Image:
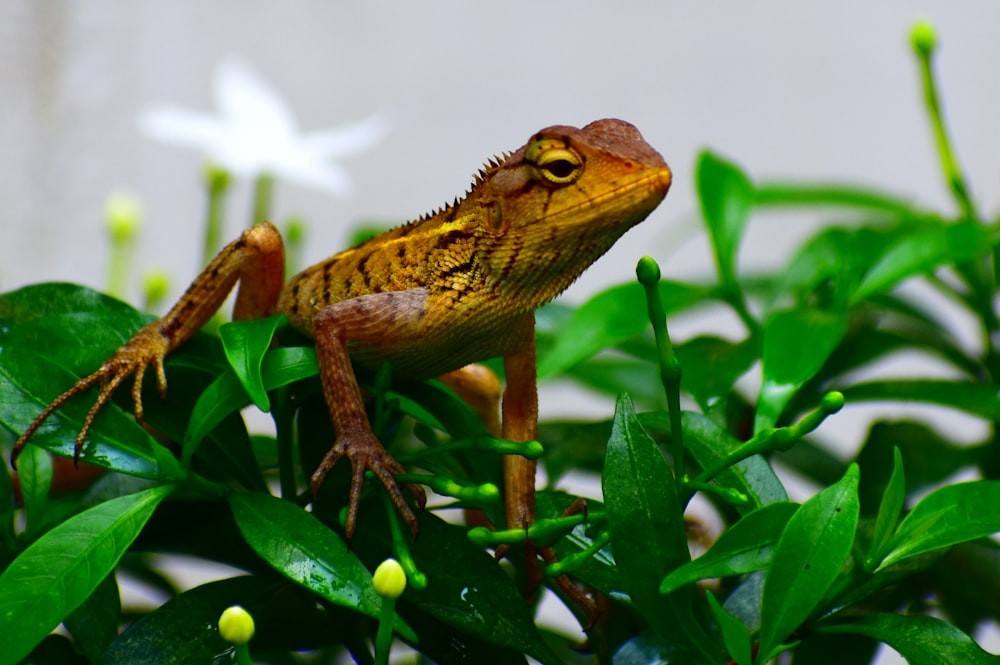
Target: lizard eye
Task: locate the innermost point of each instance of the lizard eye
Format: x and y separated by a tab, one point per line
559	165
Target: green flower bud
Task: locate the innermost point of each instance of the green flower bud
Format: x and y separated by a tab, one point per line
648	271
389	579
923	37
236	625
155	285
122	216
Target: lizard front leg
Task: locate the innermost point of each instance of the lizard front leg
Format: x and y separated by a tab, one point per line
520	423
255	259
366	321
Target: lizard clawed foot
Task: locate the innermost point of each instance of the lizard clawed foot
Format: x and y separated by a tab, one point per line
365	452
147	347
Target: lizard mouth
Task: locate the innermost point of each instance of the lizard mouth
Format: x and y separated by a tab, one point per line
636	196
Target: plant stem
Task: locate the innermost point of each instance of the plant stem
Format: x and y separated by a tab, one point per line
217	181
924	48
648	273
263	191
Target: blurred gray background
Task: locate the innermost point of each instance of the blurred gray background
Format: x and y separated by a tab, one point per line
791	90
787	89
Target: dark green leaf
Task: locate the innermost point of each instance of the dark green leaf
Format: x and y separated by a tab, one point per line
807	559
61	569
726	197
305	551
467	590
796	344
38	300
183	630
610	317
245	343
921	640
743	548
94	625
227	395
945	517
648	537
28	382
712	365
708	442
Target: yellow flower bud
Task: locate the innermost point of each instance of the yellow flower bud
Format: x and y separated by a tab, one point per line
390	580
236	625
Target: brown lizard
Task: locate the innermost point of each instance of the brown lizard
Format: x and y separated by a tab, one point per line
432	296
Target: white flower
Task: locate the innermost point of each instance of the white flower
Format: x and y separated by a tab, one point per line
255	132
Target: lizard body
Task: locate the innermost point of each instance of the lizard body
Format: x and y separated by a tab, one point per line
451	288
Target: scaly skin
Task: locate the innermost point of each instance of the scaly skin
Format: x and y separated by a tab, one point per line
452	288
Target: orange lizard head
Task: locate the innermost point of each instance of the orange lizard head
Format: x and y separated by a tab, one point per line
554	206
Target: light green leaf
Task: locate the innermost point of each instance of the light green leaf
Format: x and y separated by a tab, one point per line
61	569
726	196
924	250
743	548
946	517
245	343
796	344
611	317
921	640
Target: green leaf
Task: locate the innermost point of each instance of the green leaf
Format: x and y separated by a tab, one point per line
796	344
807	559
744	547
848	196
979	399
734	633
39	300
648	538
708	442
227	395
61	569
182	630
301	548
610	317
726	197
946	517
827	269
924	250
928	459
245	343
921	640
466	588
888	512
29	382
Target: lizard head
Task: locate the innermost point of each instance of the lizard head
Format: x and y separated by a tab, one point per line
552	207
